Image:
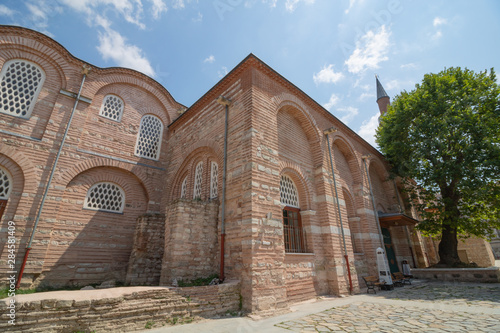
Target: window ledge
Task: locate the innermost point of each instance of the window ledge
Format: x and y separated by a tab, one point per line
299	254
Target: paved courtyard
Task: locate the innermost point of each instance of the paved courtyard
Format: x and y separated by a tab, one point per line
420	307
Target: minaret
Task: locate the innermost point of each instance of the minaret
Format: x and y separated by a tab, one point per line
383	99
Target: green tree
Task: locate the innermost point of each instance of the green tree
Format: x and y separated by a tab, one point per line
443	140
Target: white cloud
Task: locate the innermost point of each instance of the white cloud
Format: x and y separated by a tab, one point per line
364	96
179	4
114	46
327	75
210	59
436	23
290	5
158	8
371	49
368	128
333	100
351	4
350	111
40	13
393	84
198	17
223	72
130	10
410	65
439	21
6	11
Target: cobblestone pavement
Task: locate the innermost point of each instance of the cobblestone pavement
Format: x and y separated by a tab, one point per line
430	307
421	307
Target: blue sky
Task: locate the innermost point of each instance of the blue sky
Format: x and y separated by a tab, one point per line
329	49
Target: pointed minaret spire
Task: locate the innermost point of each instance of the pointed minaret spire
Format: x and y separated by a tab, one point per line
383	99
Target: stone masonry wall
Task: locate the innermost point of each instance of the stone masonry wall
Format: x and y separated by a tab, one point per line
144	267
134	308
191	243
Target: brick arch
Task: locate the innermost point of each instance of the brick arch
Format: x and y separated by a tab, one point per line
205	143
162	112
298	110
37	56
83	166
349	153
18	180
110	76
187	168
120	181
59	54
348	197
376	168
13	157
304	187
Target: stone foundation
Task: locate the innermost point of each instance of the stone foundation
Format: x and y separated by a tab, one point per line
491	274
129	309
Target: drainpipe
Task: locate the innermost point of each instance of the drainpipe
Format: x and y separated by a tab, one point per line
85	72
226	102
326	132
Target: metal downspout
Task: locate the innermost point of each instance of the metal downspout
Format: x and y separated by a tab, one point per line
226	102
85	71
326	132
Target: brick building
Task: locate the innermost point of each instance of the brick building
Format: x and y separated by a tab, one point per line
137	190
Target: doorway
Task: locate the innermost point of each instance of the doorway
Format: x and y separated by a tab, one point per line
389	250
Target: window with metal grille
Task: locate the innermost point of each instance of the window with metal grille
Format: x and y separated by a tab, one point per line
112	107
5	184
149	138
20	84
106	197
288	192
213	180
184	188
198	177
293	233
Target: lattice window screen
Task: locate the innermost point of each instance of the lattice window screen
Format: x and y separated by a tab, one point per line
198	177
149	138
5	184
288	192
184	188
112	107
214	173
20	84
106	197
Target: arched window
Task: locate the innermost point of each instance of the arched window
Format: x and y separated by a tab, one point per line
214	172
184	188
293	232
149	138
288	192
112	107
106	197
198	177
5	184
20	84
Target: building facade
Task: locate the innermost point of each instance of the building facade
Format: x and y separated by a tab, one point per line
137	190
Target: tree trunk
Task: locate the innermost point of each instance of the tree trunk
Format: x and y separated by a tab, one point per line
448	252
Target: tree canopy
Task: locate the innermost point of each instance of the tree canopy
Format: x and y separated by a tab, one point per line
443	140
